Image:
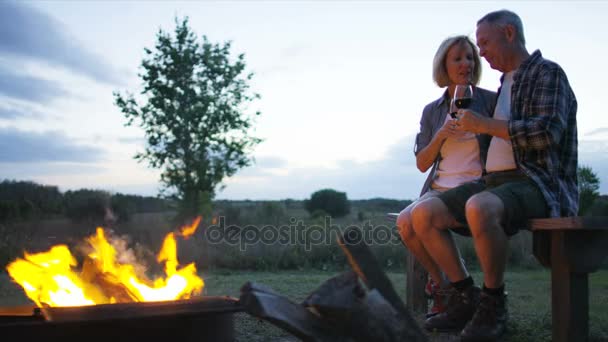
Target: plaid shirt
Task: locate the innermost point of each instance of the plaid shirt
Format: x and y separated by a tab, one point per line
543	132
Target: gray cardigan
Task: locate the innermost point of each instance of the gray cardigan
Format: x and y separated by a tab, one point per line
433	117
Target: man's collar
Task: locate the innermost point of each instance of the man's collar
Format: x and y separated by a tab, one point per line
532	59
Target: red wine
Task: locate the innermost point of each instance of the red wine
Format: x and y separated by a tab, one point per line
463	102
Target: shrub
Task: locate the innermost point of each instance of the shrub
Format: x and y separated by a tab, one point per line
331	201
270	213
588	185
23	200
599	207
9	211
87	205
123	207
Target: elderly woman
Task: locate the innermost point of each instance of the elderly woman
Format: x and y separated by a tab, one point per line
454	157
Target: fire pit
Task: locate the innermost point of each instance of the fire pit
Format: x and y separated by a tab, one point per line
199	319
110	297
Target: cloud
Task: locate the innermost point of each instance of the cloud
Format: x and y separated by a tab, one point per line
270	162
132	140
30	33
26	171
281	62
12	112
28	88
598	131
394	176
18	146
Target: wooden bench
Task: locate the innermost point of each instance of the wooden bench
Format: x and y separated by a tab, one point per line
572	247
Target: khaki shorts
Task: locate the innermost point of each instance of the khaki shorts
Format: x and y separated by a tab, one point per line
520	195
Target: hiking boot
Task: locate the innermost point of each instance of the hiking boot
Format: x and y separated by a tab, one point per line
440	300
489	321
461	307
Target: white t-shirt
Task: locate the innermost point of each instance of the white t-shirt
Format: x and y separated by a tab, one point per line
460	163
500	152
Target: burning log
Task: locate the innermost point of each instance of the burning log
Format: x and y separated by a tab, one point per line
101	282
52	278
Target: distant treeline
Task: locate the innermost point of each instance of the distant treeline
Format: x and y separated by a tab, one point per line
24	200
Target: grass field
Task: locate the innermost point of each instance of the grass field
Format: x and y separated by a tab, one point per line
294	272
529	300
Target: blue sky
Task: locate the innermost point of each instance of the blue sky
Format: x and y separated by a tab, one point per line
343	85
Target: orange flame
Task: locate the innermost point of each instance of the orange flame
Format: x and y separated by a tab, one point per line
188	230
49	278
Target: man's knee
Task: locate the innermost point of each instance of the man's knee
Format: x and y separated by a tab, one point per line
483	210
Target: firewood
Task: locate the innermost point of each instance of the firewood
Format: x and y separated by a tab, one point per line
105	287
375	319
263	302
336	299
343	309
358	314
363	262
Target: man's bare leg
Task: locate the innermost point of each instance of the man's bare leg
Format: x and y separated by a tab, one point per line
484	212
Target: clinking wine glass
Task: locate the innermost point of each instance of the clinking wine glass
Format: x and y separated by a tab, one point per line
453	109
463	96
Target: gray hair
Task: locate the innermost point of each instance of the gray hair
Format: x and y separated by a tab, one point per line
440	72
503	18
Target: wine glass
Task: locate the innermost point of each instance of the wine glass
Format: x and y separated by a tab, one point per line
463	96
453	109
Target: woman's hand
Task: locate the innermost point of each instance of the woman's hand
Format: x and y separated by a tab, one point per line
449	130
427	156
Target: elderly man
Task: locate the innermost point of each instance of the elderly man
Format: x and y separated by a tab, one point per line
531	173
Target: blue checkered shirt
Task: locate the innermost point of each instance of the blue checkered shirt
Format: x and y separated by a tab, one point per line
543	132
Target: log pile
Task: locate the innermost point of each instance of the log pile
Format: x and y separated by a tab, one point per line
359	305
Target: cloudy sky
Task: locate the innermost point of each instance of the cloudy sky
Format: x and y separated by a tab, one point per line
343	85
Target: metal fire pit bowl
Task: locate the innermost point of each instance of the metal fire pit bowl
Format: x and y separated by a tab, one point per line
200	319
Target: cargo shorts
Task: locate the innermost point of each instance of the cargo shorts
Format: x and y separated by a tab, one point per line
521	197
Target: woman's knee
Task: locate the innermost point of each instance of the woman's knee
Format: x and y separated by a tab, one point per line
404	224
421	217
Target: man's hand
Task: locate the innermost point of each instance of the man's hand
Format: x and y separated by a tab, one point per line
470	121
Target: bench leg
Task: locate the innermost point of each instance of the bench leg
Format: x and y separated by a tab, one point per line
416	280
569	295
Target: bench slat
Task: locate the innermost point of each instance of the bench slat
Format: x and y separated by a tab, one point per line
569	223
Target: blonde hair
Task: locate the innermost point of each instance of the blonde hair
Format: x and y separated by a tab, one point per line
440	72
